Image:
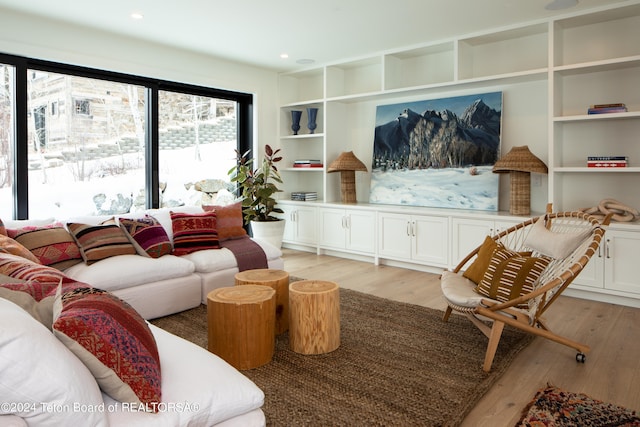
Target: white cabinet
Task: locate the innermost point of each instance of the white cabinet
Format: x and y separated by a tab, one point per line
414	238
613	268
468	233
301	224
347	229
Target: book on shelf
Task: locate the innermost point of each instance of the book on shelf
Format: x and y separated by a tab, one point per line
607	161
308	165
307	161
607	108
304	196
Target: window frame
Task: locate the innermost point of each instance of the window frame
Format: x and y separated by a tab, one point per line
20	191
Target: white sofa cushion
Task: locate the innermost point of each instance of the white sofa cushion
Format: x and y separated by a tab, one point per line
198	389
125	271
221	259
41	377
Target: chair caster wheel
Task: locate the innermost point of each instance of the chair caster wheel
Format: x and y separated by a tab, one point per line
581	357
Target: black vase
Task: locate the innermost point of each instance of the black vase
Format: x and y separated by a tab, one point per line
295	121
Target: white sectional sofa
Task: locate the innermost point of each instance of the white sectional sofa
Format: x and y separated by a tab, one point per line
157	287
44	379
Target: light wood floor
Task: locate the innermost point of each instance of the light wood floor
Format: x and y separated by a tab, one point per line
611	372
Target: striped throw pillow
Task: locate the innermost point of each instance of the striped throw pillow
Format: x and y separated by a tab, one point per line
510	275
194	232
101	241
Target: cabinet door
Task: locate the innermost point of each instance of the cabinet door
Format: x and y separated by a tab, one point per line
467	235
430	240
361	231
332	228
305	225
394	236
621	256
289	225
592	275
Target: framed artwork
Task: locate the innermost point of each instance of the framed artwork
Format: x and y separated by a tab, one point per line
438	152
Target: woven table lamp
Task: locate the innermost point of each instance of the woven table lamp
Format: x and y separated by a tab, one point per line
520	162
347	164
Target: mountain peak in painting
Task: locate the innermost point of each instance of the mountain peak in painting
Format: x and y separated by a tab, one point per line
438	139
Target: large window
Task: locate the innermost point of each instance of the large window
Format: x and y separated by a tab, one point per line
6	139
77	141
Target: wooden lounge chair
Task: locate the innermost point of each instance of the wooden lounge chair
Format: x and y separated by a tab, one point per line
490	301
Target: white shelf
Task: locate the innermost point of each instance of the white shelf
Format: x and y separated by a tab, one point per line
608	116
584	169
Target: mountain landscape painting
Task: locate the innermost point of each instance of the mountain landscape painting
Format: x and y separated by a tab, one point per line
438	153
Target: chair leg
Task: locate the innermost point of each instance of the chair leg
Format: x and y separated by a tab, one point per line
494	339
447	313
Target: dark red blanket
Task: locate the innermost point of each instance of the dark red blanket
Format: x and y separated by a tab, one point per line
248	253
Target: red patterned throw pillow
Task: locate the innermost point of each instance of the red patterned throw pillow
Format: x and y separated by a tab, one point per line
148	234
113	341
23	269
229	220
51	244
194	232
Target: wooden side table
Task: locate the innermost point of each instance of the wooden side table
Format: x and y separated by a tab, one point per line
241	321
278	280
314	316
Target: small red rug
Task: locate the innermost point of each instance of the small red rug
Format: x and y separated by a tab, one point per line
553	407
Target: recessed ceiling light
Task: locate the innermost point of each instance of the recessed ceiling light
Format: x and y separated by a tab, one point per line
284	55
137	15
561	4
305	61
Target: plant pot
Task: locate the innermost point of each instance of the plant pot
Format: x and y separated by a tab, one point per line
269	231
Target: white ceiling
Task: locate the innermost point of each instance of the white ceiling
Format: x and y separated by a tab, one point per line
258	31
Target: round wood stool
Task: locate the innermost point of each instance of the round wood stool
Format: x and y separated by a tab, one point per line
241	321
278	280
314	316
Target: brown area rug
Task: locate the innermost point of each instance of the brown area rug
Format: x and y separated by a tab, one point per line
397	364
559	408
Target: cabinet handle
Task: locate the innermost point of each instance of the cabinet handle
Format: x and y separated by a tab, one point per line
608	249
408	228
413	229
347	221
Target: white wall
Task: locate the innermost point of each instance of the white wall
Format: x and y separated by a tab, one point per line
35	37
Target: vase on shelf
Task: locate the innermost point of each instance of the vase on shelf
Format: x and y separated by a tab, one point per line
295	121
312	113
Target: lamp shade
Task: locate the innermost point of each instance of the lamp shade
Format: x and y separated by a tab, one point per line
520	159
347	161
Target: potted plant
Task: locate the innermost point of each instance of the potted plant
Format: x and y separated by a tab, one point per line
257	187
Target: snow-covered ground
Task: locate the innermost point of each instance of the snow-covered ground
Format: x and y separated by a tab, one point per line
445	188
54	193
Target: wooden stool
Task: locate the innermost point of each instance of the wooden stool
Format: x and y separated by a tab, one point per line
314	316
241	321
279	281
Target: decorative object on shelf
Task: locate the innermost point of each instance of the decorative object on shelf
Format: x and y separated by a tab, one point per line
438	152
607	161
520	162
295	121
347	164
312	115
607	108
256	190
620	212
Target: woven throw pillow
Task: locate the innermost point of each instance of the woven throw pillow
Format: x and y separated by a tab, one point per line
510	275
22	269
476	270
51	244
10	246
148	234
113	341
229	221
194	232
555	245
101	241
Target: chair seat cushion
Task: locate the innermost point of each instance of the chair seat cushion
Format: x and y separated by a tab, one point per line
459	290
